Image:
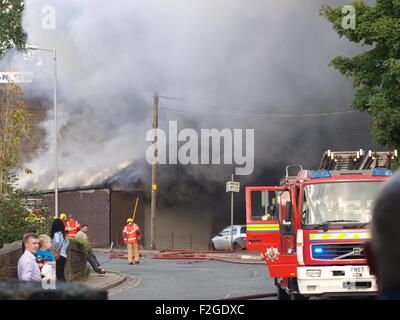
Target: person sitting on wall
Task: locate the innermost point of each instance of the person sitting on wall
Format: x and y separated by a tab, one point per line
82	234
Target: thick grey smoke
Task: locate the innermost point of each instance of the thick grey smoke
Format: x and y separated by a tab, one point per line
256	57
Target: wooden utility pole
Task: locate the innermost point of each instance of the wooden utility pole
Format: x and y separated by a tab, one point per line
233	179
154	173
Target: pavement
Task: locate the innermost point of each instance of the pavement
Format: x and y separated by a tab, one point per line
105	281
113	279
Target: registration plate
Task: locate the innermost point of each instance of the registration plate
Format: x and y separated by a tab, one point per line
357	272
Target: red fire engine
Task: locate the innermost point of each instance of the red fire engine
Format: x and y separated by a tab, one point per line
311	229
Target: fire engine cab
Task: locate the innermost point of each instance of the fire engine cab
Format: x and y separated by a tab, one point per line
311	229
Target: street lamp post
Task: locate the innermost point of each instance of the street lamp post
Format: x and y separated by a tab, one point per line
31	47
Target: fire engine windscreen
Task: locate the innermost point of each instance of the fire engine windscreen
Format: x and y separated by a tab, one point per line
338	202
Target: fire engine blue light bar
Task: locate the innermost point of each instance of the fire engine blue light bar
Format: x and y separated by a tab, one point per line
317	174
382	172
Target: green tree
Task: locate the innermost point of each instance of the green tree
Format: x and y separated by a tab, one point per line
15	212
11	32
376	71
18	212
14	128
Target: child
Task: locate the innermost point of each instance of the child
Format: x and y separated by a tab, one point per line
45	258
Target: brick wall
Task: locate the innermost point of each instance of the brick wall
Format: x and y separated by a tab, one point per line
91	207
75	267
9	256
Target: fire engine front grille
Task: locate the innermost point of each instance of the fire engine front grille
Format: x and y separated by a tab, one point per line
338	251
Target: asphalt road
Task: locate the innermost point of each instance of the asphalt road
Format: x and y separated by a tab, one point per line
154	279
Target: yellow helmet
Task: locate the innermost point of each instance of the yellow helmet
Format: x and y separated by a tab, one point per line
129	220
63	216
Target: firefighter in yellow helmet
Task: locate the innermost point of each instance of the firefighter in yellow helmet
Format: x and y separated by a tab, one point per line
131	235
72	227
63	217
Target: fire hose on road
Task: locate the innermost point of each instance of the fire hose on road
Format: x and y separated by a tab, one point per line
185	254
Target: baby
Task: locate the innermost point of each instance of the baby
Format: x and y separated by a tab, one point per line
45	258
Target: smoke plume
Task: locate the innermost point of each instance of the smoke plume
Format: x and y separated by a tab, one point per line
259	58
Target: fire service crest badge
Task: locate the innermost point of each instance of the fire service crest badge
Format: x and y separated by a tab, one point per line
272	254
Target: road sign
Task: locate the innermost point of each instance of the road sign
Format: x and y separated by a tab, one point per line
16	77
232	186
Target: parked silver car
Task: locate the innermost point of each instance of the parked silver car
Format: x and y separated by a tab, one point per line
222	241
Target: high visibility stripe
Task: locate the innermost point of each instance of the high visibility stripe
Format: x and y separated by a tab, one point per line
265	230
339	236
263	224
133	230
262	227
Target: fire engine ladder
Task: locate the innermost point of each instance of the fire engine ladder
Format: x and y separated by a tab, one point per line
380	159
342	160
357	160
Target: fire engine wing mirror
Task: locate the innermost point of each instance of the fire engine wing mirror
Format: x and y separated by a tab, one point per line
288	213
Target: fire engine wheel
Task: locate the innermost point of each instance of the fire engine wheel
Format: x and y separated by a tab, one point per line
281	293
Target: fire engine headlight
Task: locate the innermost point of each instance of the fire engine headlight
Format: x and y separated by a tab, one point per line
313	273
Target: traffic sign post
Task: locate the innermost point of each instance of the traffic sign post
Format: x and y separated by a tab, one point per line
232	186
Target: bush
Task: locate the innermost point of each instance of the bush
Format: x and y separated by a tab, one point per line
12	219
15	218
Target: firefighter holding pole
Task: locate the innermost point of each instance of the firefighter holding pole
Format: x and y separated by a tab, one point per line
132	235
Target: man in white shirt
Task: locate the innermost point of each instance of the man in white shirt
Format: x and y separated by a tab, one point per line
82	234
28	268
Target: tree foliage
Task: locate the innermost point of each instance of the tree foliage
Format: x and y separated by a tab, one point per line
16	213
376	71
11	32
14	128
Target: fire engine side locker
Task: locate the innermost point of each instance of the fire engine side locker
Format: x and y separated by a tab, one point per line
264	236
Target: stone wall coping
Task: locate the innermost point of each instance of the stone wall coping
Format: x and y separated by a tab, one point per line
9	247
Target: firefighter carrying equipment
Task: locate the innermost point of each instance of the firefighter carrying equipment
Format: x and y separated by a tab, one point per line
72	227
131	233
